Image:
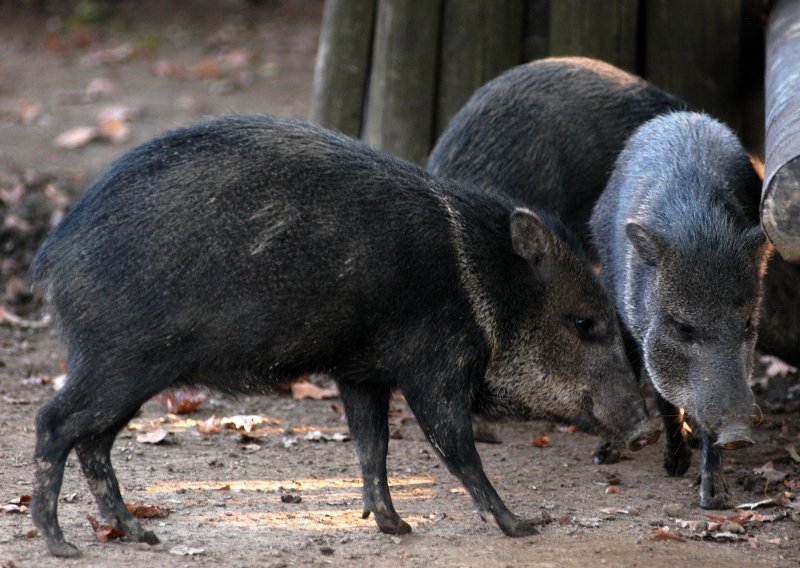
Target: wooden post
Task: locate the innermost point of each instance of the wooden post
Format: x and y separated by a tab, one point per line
340	75
605	29
692	50
780	204
480	40
400	103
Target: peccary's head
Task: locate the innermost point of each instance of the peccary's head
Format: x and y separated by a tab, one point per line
696	299
564	358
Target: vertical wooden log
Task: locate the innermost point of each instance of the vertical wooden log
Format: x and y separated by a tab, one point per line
692	50
780	204
751	75
536	35
480	39
340	75
605	29
402	85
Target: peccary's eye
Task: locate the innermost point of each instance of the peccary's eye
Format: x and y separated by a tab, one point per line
748	327
685	332
584	327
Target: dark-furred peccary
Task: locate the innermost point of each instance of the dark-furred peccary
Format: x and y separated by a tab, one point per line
547	133
685	265
247	250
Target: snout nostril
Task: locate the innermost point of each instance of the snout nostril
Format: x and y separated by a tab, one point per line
645	440
735	444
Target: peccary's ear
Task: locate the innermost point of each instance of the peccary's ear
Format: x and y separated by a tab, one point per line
529	235
647	243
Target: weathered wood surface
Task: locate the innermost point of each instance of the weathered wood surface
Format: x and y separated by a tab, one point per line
604	29
780	205
479	40
343	56
692	50
402	85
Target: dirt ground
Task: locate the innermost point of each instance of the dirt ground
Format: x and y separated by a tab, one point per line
284	494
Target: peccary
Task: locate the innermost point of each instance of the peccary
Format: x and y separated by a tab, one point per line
247	250
685	267
548	133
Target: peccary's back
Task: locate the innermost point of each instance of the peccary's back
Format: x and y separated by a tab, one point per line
249	230
548	132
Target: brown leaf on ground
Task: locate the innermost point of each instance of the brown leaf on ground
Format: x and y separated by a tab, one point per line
104	533
663	533
303	390
76	137
154	437
768	472
144	511
30	111
776	367
337	409
167	69
208	426
181	400
541	441
242	422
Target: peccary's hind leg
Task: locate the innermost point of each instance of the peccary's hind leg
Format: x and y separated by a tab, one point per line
86	413
445	419
95	456
53	445
367	411
713	490
677	453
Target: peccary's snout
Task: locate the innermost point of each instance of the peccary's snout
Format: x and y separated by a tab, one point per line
645	434
734	436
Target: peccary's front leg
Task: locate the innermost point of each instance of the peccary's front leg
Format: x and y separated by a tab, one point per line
677	454
713	489
367	411
445	419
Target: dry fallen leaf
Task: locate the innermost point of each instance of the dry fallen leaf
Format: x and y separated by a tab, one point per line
115	130
76	137
101	87
242	422
541	441
104	533
208	426
30	111
181	400
663	533
154	437
145	511
768	472
303	390
776	367
792	451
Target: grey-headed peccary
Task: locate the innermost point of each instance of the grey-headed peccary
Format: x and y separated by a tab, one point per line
685	265
246	250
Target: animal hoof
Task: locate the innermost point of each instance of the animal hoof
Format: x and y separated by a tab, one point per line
677	462
63	549
524	527
394	526
149	537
